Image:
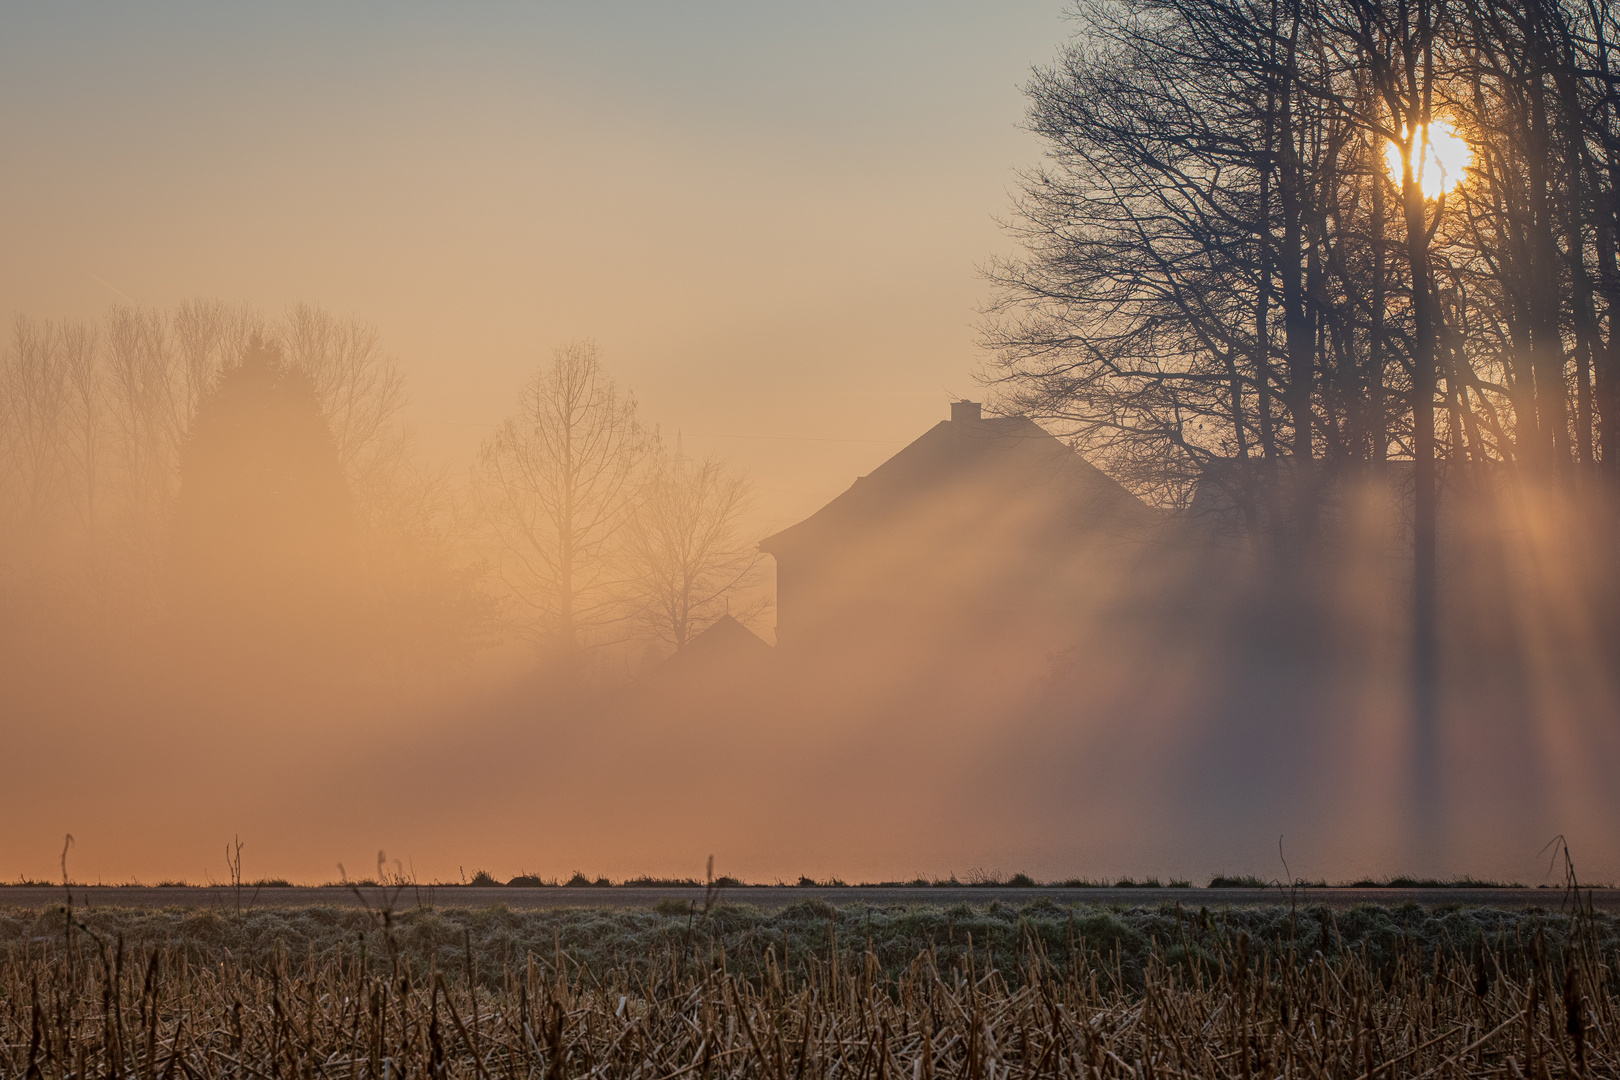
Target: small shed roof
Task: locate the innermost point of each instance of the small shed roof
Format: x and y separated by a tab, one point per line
724	643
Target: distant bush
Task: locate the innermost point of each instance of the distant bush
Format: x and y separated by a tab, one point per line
530	881
579	880
1236	881
1401	881
1021	881
1123	883
483	878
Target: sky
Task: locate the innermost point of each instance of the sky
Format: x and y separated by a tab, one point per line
771	216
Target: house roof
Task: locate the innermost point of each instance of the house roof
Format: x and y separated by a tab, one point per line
726	641
977	467
726	634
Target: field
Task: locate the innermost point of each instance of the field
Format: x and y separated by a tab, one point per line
808	991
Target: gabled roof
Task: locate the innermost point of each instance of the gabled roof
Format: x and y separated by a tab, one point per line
725	642
727	635
978	466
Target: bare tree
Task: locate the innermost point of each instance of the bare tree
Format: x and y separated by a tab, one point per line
157	366
147	420
688	555
1186	240
557	483
208	336
34	406
85	436
1242	277
95	419
360	386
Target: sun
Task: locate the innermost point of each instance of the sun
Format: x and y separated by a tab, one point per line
1444	156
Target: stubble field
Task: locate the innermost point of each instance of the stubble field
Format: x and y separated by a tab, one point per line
812	990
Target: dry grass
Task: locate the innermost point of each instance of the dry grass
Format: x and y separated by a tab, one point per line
1250	993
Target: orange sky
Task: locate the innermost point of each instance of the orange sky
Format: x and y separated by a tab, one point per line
770	215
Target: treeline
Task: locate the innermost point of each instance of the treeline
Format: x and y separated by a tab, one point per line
157	474
1278	241
1320	269
244	489
1343	278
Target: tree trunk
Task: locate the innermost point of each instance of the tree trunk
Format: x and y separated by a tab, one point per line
1425	494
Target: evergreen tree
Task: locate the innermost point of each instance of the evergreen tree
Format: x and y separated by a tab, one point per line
261	547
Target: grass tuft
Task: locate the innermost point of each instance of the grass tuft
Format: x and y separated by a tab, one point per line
1235	881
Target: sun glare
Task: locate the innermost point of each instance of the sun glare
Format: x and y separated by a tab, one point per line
1441	159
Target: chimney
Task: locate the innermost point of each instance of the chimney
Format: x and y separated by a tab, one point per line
965	410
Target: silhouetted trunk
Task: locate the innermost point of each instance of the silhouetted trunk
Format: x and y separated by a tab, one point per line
1605	196
1425	493
1576	200
1377	421
1297	321
1262	315
1606	361
1546	343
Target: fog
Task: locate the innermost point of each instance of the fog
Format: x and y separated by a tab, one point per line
392	403
769	216
254	613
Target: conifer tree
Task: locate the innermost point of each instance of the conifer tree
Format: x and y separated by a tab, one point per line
262	537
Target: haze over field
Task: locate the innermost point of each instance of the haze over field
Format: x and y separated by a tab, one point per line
546	438
768	215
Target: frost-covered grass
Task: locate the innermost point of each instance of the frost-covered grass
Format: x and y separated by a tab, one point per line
982	992
998	934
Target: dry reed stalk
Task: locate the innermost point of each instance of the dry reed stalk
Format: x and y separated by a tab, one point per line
1246	1009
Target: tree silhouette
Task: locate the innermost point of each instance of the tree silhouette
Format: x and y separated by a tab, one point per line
261	543
557	486
687	553
1238	289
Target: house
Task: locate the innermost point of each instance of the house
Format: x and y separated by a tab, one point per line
982	526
